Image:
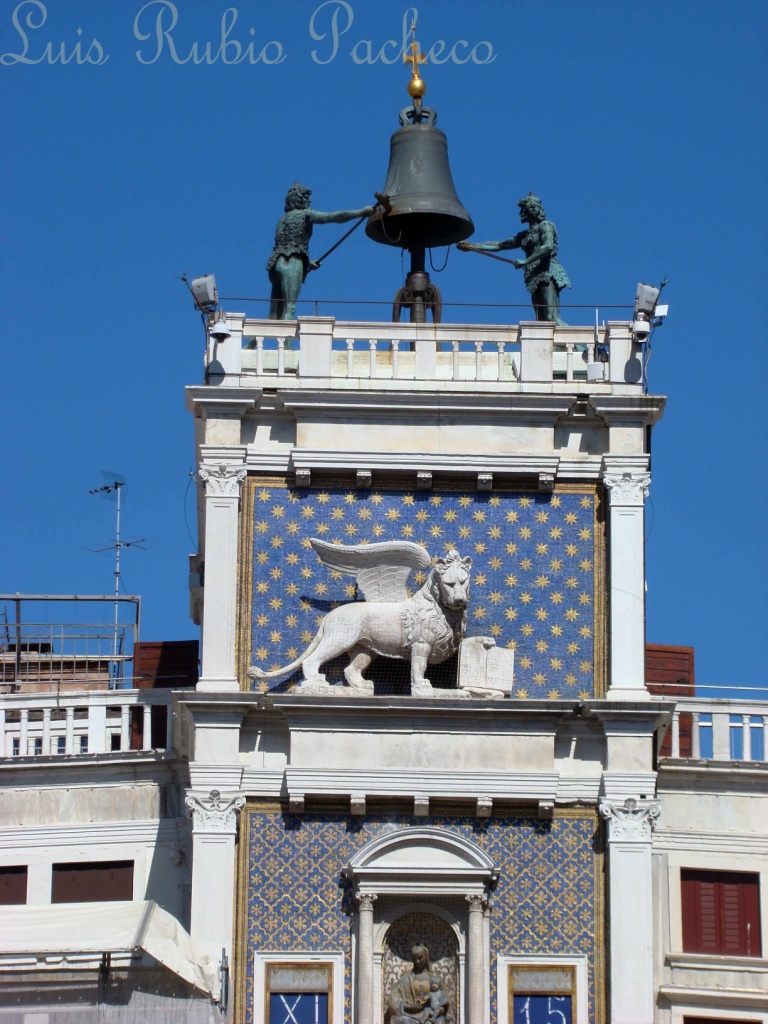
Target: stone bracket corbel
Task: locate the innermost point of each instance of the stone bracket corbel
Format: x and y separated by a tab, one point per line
420	806
546	483
357	805
484	807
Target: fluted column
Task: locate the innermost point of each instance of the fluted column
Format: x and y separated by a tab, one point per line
214	824
626	482
222	502
476	960
365	902
630	909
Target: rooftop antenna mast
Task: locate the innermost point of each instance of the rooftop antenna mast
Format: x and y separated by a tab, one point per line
112	490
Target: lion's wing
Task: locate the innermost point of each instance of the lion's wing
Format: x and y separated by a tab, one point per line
381	570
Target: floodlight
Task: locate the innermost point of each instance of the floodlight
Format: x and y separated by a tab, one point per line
645	300
204	291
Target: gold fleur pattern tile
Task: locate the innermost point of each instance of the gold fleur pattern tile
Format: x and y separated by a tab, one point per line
548	899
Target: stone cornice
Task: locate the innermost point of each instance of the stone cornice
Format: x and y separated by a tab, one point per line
625	409
91	833
458	462
536	407
222	401
705	842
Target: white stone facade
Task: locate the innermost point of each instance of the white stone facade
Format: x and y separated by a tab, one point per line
487	407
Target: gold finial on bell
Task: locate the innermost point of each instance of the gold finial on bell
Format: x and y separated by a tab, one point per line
417	86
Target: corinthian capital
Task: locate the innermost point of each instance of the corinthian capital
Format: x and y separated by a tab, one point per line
476	903
626	486
633	820
366	900
214	813
222	480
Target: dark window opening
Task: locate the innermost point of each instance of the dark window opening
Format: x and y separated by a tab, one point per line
92	883
13	885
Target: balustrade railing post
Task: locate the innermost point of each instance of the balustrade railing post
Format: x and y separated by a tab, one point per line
455	370
146	739
169	727
395	358
23	732
676	734
721	736
260	356
426	358
695	736
500	360
746	738
125	727
46	731
372	358
315	345
478	360
350	356
537	339
69	734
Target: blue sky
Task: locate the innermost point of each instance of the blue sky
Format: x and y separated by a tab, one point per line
637	124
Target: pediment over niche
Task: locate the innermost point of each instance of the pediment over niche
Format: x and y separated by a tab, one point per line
427	860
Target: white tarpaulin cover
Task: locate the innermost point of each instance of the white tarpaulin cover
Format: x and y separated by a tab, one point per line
63	928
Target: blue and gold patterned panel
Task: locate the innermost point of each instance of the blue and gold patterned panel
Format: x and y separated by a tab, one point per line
293	896
536	573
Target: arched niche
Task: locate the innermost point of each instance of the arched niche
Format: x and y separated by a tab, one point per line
420	877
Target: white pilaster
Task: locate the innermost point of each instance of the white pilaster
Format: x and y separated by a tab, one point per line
365	958
630	893
222	500
214	824
626	481
476	960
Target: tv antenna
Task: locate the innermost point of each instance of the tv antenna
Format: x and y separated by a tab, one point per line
112	490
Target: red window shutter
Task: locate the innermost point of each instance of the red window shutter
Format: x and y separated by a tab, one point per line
721	913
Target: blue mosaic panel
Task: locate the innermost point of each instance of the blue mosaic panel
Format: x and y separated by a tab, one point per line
533	573
296	900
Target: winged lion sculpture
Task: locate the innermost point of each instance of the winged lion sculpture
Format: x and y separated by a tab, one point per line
426	628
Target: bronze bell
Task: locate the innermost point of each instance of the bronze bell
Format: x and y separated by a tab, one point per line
425	210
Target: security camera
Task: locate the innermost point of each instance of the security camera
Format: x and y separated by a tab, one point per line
219	331
641	328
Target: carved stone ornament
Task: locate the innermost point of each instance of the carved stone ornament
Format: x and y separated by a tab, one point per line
634	820
425	629
214	813
627	488
222	481
476	902
366	900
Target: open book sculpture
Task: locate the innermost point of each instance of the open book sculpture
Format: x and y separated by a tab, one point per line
426	628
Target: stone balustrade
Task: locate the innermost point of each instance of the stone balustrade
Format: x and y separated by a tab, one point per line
321	351
95	722
719	730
